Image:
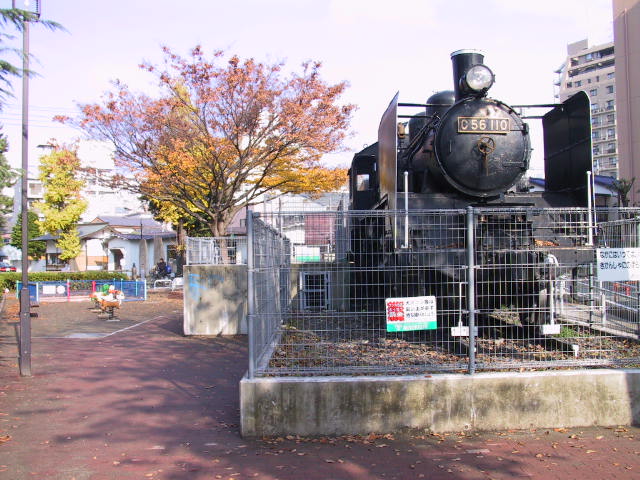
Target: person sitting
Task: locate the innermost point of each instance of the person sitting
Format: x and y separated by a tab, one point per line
161	268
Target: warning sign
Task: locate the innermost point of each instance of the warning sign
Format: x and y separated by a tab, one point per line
617	264
411	313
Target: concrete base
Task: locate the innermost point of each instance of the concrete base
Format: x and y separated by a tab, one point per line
215	299
438	403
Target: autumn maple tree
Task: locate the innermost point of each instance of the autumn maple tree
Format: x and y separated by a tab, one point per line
220	133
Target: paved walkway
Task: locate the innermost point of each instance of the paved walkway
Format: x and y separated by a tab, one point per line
149	403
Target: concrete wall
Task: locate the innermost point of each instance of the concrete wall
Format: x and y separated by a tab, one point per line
438	403
338	294
215	299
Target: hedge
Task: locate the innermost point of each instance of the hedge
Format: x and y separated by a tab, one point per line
9	279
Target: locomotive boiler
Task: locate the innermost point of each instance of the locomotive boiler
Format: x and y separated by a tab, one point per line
462	149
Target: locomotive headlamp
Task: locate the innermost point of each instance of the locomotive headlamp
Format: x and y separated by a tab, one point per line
479	78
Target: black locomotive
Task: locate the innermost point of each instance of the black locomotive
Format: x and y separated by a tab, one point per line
463	149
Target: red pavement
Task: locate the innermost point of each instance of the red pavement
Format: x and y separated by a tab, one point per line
149	403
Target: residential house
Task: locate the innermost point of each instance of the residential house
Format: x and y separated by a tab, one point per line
132	243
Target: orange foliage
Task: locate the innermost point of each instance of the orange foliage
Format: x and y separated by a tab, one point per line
223	133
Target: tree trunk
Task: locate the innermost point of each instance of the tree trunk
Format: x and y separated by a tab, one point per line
180	260
218	229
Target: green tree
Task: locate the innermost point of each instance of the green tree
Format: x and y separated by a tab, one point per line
8	177
17	18
36	248
62	203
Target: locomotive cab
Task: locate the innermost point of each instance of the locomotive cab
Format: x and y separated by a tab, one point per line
363	181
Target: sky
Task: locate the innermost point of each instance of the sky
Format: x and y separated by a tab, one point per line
378	47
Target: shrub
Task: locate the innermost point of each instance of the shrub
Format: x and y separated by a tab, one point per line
9	279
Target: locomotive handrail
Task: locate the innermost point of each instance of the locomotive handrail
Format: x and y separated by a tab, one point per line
422	105
541	105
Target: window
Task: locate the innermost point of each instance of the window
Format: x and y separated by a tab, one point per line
569	84
54	262
593	92
611	117
611	133
611	148
315	290
594	107
611	75
578	83
362	182
610	89
611	104
35	190
596	150
595	135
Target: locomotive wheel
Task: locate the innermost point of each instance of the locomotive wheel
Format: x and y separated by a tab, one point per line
536	315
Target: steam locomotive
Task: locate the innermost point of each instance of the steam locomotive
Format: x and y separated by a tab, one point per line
463	149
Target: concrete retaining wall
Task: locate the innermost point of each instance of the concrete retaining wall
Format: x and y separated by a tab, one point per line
215	299
438	403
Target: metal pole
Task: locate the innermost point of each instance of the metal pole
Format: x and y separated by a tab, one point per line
406	210
589	211
471	290
250	300
25	305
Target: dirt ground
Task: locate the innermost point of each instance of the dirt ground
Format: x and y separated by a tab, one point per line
79	318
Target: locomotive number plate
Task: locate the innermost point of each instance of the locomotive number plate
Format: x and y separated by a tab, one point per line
483	125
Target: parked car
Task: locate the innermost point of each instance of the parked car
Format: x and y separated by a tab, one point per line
6	267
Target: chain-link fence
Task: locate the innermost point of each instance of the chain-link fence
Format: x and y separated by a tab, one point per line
435	291
269	269
67	290
216	250
618	236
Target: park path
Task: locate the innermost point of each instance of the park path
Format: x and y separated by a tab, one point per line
148	403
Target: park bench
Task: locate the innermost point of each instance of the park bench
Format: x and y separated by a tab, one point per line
162	283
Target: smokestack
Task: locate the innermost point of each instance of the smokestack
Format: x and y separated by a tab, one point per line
462	60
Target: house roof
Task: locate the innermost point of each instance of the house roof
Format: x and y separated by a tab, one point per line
84	230
602	180
128	221
144	236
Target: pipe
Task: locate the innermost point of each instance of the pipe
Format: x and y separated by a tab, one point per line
406	209
589	212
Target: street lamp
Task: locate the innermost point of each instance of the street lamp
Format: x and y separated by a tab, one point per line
25	306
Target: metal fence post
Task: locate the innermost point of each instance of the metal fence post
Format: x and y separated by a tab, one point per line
250	300
471	289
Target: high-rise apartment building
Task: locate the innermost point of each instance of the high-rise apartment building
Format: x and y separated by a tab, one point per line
593	69
626	34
